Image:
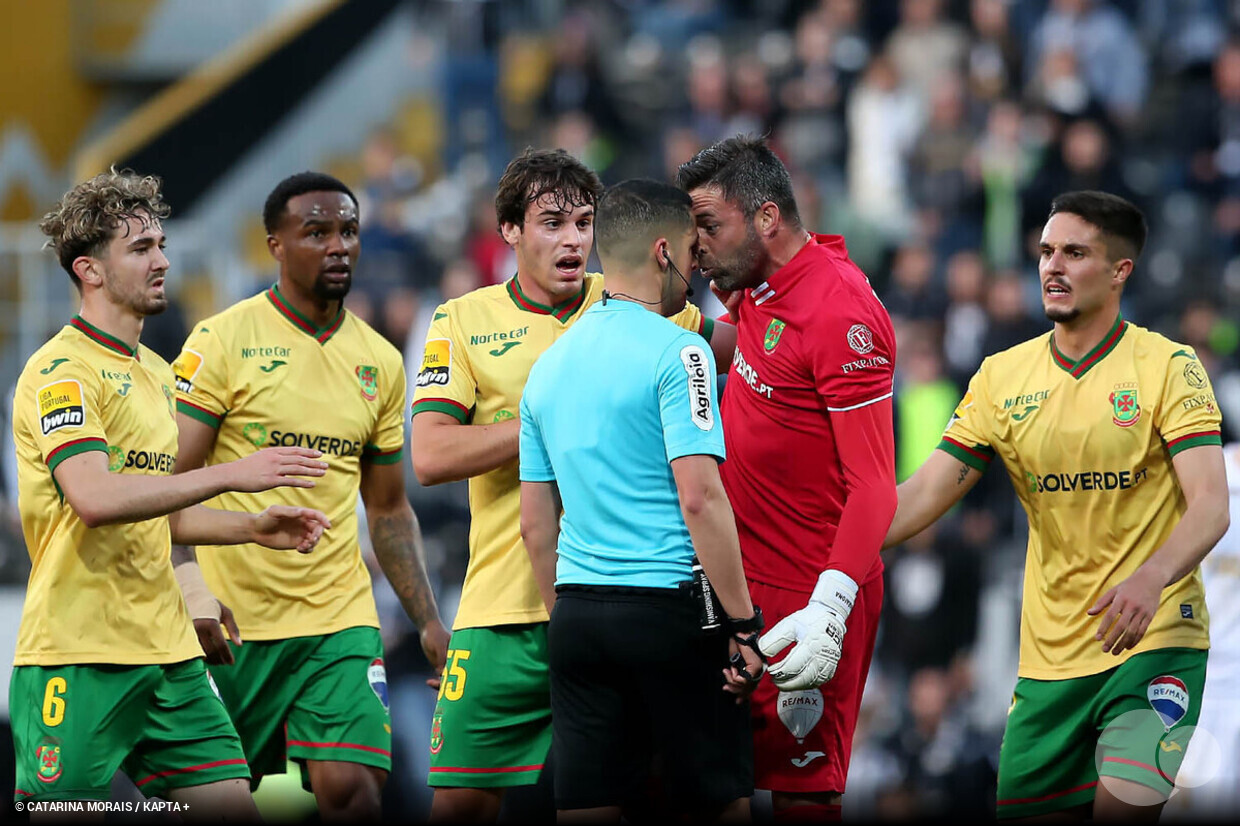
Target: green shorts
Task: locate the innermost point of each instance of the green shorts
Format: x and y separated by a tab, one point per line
492	724
1062	733
310	698
75	725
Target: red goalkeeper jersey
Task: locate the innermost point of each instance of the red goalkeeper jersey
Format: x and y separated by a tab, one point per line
807	421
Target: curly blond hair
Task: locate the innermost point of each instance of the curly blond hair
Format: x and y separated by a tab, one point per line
88	216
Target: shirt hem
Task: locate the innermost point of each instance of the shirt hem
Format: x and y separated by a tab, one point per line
1075	673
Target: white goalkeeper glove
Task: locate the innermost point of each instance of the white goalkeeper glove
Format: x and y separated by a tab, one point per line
818	631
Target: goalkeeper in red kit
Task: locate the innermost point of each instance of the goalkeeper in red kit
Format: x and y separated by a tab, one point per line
810	472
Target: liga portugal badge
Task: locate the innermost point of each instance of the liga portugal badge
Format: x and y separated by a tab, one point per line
368	378
1125	410
773	331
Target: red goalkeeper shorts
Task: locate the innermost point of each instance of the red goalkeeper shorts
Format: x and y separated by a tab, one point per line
803	739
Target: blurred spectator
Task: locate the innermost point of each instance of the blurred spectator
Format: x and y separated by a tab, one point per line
484	247
1010	319
576	83
884	119
1084	161
966	322
1112	60
944	177
812	132
392	256
1005	161
994	55
924	46
911	295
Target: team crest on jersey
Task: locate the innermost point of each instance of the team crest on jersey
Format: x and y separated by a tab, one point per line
186	368
773	331
1124	407
48	757
1194	375
1169	697
436	363
255	433
799	711
436	731
60	406
860	338
368	378
376	675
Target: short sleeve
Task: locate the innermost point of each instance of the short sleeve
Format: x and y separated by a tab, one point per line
387	443
1188	415
687	408
61	408
967	435
852	357
691	319
535	462
201	371
445	381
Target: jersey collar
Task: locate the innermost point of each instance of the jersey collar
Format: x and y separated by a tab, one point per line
320	334
1080	368
562	311
100	337
806	258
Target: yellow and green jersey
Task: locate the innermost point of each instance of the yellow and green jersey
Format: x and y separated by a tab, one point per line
263	375
106	594
1088	445
479	352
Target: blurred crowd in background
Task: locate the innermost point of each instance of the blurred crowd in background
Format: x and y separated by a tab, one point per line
933	135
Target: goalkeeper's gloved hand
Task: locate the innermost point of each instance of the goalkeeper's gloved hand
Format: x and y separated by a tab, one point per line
818	631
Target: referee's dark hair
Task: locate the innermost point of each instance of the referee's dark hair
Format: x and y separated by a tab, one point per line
747	171
299	184
1117	219
633	214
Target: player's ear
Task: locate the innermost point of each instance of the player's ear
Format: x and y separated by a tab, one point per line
89	270
766	219
275	248
1123	269
511	233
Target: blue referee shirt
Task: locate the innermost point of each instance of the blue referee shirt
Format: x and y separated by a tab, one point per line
605	410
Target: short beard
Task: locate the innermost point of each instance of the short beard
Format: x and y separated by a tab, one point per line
332	292
742	271
139	303
1062	316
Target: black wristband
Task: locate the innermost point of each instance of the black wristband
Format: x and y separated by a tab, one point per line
752	625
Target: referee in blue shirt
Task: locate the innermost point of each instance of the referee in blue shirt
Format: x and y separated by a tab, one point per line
620	430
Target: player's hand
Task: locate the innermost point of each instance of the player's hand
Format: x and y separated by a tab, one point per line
1130	607
434	638
274	467
745	672
730	299
211	636
284	528
817	629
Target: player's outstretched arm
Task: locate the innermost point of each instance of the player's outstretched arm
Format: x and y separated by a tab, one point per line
1130	605
100	497
397	541
939	483
444	450
279	527
540	531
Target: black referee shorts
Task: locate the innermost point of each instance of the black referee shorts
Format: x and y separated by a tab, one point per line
634	678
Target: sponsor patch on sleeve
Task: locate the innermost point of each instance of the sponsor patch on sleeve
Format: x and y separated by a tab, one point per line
701	405
185	368
60	406
436	363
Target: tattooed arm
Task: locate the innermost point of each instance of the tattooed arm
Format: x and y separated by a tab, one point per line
397	540
926	495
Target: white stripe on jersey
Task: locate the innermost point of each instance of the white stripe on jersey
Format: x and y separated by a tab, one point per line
863	404
762	292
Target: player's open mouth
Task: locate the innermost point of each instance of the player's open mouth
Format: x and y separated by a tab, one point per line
338	270
1056	290
568	265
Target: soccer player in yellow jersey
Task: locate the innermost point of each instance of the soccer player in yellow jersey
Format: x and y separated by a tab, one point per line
492	725
291	366
107	673
1110	435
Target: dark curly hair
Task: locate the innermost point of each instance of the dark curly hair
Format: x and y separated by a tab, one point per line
538	172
